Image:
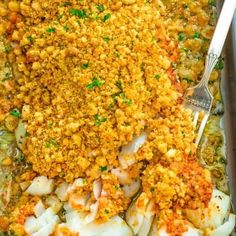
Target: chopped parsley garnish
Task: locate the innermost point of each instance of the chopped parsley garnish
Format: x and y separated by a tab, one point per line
7	76
31	39
66	28
106	211
100	7
111	106
106	17
186	50
51	142
76	12
117	54
50	30
119	84
99	119
103	168
65	4
85	66
223	160
196	35
15	112
7	48
117	187
180	36
60	16
157	76
125	100
212	3
220	64
114	96
106	39
187	80
50	125
95	83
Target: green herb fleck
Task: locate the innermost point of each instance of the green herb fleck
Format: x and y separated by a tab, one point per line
223	160
187	80
181	36
50	30
119	84
99	119
7	48
106	17
220	64
117	54
111	106
66	28
125	100
212	3
117	187
103	168
76	12
106	39
196	35
157	76
100	7
65	4
50	125
60	16
51	142
186	50
85	66
31	39
7	76
114	96
106	211
95	83
103	119
15	112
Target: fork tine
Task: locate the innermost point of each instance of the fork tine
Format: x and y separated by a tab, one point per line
196	115
201	128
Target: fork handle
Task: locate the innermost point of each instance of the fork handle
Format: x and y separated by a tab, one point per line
222	27
218	39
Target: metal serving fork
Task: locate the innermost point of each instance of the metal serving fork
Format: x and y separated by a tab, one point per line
198	98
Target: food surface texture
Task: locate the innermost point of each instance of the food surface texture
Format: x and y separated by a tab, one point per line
94	137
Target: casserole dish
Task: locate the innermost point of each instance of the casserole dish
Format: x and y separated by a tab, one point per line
94	140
